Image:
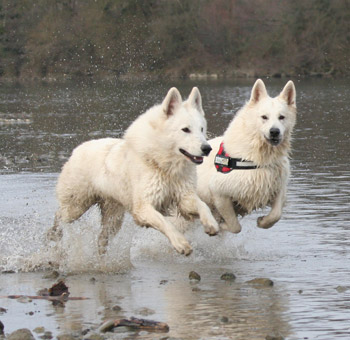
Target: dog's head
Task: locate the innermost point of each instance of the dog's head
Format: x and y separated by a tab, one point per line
276	116
185	126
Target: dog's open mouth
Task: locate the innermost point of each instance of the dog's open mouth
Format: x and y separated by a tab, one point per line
194	159
273	141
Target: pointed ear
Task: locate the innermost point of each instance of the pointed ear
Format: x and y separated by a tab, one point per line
172	101
289	94
258	91
195	99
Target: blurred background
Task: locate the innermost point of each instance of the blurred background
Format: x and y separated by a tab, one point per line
59	39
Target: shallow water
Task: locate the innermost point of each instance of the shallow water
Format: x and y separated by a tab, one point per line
306	254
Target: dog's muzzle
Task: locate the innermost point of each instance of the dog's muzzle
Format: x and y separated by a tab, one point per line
206	148
274	136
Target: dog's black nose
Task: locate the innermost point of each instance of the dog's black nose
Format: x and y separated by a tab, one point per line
274	132
206	148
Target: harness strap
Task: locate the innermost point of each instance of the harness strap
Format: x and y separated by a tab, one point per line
225	164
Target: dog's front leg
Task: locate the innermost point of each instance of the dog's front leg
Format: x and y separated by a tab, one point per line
193	205
146	215
225	208
275	214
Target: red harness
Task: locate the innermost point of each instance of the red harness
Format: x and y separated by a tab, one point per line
225	164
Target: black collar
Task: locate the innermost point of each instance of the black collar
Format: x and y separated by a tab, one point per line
225	164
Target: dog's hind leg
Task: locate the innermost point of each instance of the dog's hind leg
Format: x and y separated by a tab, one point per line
112	218
55	233
275	214
146	215
67	213
193	205
225	208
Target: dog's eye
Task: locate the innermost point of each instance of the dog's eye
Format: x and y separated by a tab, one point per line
264	117
187	130
202	129
281	117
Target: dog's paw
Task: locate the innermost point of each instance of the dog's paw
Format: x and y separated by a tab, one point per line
212	229
264	223
181	245
232	229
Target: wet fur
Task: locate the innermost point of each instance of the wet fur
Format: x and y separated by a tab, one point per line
249	137
143	173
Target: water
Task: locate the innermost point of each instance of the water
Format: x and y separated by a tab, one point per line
306	253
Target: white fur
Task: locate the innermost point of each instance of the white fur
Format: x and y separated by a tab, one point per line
249	137
144	173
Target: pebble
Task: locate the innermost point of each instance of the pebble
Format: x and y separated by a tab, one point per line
39	330
47	335
145	311
274	337
3	310
65	337
117	308
52	275
194	276
262	282
21	334
341	289
224	319
228	277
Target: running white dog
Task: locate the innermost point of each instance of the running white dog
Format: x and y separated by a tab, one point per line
149	172
251	168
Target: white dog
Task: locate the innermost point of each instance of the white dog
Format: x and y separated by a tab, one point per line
249	166
149	172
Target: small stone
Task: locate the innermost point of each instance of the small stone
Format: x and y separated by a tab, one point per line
117	308
66	337
39	330
52	275
224	319
341	289
262	282
300	291
145	311
196	289
3	310
85	331
21	334
163	282
106	326
47	335
274	337
194	276
228	277
92	280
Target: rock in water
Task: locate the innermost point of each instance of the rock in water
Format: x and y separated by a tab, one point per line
21	334
194	276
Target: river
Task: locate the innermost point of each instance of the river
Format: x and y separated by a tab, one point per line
306	254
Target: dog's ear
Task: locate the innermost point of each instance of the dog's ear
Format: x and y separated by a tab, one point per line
289	94
195	99
258	91
172	101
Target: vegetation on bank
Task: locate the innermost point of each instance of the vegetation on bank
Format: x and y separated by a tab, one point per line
175	38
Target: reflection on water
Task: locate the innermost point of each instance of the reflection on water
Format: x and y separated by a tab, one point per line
306	254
